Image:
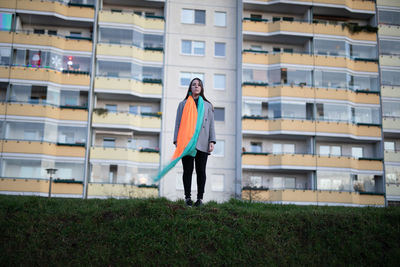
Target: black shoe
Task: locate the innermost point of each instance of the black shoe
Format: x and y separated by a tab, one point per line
188	202
198	203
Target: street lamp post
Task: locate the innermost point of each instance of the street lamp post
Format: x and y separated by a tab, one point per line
50	171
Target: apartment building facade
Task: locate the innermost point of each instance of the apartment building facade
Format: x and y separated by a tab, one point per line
305	97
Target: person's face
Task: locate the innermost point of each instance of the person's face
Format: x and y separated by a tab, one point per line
195	88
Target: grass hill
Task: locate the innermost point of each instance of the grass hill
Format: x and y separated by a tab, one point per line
38	231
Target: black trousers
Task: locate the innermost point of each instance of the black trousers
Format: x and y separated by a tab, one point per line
201	161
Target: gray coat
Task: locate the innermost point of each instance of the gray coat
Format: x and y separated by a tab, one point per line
207	132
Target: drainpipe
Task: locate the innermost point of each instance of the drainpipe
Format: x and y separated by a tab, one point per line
90	104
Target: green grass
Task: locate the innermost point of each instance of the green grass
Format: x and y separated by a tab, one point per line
73	232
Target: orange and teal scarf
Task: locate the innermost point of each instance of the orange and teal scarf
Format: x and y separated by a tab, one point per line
188	133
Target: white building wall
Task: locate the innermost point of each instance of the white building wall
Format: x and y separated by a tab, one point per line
220	170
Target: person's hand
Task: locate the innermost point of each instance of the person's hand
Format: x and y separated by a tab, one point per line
211	147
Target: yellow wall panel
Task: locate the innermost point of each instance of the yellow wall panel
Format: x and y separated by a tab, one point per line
124	154
345	162
128	85
129	51
345	128
151	123
56	7
46	111
131	18
28	147
118	190
39	186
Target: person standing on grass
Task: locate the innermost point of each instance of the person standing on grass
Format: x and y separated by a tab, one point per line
205	142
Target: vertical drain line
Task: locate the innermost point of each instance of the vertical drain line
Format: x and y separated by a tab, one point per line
90	104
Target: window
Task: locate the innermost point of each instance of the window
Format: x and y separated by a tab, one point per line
219	149
219	81
52	32
219	49
390	77
217	183
109	142
186	77
391	109
256	16
252	108
193	48
191	16
5	21
255	181
389	146
330	150
219	114
38	31
256	147
75	34
357	152
389	47
111	107
220	19
112	175
5	55
133	109
283	183
283	148
256	47
389	17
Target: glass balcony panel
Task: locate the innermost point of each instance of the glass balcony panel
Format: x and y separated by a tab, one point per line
252	108
292	110
299	77
24	131
363	51
367	115
76	63
116	36
368	83
153	41
70	98
340	181
330	47
53	96
114	69
390	77
22	168
333	112
19	57
330	79
151	73
71	135
389	47
20	93
67	170
389	17
391	109
364	183
5	56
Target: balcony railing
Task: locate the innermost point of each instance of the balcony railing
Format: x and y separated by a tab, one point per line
256	117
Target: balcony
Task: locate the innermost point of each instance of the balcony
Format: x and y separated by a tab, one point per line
309	127
391	124
307	29
124	154
392	156
389	30
313	197
121	190
122	120
309	92
42	74
307	161
56	41
41	187
127	86
390	91
309	60
358	5
392	61
51	149
46	111
131	18
129	51
61	10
